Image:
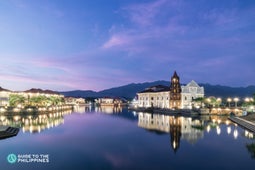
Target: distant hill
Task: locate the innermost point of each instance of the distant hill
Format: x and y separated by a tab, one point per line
226	91
129	91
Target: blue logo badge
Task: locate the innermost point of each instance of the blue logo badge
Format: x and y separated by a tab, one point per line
11	158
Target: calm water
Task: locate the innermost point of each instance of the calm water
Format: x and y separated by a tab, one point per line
109	138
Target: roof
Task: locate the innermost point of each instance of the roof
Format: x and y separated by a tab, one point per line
2	89
33	90
175	75
192	84
157	88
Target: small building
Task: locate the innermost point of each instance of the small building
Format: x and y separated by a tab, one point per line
109	101
75	101
4	97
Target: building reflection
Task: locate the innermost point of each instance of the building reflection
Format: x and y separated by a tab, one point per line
109	109
175	132
34	123
82	108
179	128
187	128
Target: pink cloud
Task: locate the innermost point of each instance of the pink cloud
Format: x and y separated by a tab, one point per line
117	40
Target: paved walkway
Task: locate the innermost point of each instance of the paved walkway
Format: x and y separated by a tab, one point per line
244	123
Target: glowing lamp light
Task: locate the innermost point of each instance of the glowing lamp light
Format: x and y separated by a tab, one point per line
208	128
218	130
228	130
235	134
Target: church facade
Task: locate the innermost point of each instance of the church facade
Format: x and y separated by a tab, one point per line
189	92
174	96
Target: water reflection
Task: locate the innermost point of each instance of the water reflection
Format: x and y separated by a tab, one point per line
34	123
251	149
83	108
187	128
109	109
179	127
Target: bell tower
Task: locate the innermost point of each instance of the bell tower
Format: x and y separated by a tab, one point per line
175	92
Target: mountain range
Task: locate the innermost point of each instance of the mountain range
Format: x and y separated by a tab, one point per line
129	91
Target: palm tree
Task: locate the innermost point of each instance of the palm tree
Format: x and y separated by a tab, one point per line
16	99
200	100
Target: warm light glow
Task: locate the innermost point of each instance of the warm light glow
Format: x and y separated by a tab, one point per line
229	99
227	122
208	128
174	144
236	99
218	130
228	130
247	99
235	134
248	134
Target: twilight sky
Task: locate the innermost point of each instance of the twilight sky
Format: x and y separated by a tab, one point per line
96	44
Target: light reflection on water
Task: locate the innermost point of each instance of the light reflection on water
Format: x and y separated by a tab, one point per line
34	123
114	138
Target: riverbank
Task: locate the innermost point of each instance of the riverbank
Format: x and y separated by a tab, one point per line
34	110
175	112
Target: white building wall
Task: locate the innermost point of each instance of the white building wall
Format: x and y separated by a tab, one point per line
162	99
4	98
189	92
155	99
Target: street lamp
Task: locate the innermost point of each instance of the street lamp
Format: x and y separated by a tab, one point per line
236	100
219	101
208	101
229	100
247	99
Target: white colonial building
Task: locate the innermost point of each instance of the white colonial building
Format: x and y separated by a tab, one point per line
160	96
189	92
155	96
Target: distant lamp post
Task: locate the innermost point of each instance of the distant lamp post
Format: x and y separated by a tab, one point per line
247	99
236	100
229	100
219	101
208	101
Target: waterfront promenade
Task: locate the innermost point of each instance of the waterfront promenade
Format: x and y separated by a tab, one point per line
244	123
